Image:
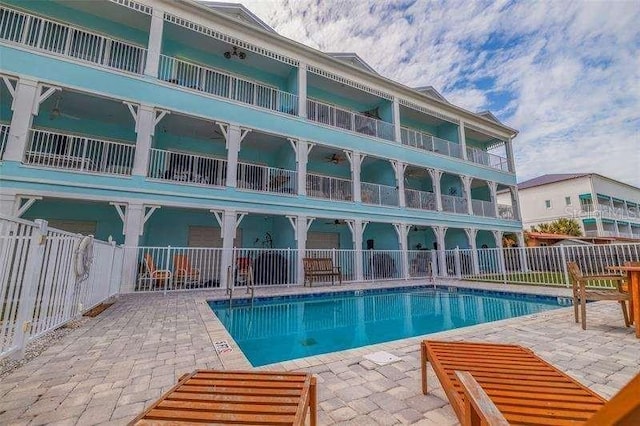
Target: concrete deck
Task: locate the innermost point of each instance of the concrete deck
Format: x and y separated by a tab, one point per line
110	369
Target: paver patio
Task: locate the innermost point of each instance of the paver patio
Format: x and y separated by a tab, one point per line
110	369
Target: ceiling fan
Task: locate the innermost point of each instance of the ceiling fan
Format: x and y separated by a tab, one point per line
57	111
335	159
336	222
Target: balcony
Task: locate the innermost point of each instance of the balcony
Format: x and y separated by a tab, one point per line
349	120
453	204
483	208
421	140
214	82
181	167
69	41
4	135
72	152
484	158
381	195
255	177
330	188
420	199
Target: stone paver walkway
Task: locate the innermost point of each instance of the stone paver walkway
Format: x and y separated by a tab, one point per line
109	370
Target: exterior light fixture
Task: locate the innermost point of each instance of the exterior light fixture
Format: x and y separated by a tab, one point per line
234	52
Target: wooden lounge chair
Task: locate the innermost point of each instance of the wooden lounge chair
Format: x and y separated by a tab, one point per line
496	384
582	294
183	271
236	397
157	276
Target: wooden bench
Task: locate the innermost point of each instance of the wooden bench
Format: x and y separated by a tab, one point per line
499	384
236	397
320	267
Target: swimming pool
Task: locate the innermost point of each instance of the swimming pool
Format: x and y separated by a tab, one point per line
282	328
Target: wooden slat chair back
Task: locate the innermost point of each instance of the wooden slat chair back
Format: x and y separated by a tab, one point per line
582	294
320	267
183	270
523	388
155	274
236	397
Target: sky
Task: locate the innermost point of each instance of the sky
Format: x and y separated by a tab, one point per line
565	74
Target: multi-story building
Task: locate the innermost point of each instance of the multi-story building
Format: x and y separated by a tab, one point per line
178	123
604	207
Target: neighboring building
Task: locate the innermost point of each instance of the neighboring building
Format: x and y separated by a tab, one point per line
604	207
180	123
540	239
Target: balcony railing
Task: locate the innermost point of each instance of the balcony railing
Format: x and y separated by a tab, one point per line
73	152
349	120
65	40
483	208
215	82
505	211
256	177
330	188
454	204
4	135
420	199
494	161
382	195
417	139
186	168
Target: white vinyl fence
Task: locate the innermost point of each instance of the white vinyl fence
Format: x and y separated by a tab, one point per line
39	288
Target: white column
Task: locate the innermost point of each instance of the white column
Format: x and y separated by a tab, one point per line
396	120
440	232
402	231
522	249
8	205
497	235
515	202
466	183
234	135
399	169
435	180
133	228
25	99
302	150
302	90
355	159
493	188
357	228
228	224
154	48
146	120
471	236
462	140
301	225
511	162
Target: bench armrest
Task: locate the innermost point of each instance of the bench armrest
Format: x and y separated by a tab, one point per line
478	407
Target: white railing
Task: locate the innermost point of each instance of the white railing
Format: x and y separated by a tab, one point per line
329	187
420	199
483	208
65	40
382	265
421	263
4	135
256	177
229	86
539	265
345	259
349	120
186	168
39	288
73	152
494	161
417	139
505	211
382	195
453	204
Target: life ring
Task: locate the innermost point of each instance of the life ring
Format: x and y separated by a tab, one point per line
84	256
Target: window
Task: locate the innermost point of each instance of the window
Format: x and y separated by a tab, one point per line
567	201
547	203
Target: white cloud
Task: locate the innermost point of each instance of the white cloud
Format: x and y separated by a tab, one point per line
569	71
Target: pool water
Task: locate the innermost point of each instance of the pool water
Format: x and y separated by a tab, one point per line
283	328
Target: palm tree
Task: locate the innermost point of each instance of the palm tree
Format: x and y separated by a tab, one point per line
564	226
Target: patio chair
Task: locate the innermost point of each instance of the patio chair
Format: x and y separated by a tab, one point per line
154	274
497	384
183	271
236	397
582	294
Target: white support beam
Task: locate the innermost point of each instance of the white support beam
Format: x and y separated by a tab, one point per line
472	234
154	47
399	168
133	229
28	202
435	181
11	88
462	140
493	188
25	99
466	184
402	231
45	93
355	160
234	135
511	162
440	232
497	235
522	249
357	228
301	150
147	215
121	210
396	120
302	90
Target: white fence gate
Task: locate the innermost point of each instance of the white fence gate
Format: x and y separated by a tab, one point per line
39	289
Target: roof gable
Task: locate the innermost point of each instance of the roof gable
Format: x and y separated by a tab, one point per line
352	59
431	92
489	115
238	11
550	178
